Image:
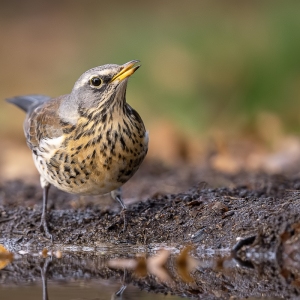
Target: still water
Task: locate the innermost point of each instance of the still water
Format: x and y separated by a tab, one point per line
141	272
80	290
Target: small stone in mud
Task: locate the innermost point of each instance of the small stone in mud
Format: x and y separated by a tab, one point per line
219	206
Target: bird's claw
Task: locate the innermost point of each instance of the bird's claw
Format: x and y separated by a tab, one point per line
44	227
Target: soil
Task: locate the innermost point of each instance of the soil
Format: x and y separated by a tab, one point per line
254	216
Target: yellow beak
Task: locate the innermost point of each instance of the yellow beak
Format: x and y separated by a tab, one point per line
127	70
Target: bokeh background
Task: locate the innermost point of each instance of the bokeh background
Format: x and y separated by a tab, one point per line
219	82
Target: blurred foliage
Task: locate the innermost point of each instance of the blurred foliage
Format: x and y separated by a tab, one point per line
205	64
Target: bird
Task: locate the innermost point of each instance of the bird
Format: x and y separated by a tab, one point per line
88	142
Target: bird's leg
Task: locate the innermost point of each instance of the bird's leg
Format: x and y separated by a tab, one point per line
117	195
44	225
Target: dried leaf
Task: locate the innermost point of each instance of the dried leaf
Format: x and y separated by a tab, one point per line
45	252
6	257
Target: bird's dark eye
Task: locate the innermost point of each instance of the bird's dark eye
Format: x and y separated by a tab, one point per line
95	81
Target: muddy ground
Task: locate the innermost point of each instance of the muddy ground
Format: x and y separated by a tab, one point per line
176	206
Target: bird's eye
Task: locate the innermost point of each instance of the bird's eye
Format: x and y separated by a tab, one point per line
95	81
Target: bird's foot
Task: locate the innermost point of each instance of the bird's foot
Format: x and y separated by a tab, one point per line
44	228
117	195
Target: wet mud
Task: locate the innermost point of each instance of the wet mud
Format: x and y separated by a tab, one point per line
251	219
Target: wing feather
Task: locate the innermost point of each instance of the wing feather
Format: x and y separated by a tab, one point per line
43	123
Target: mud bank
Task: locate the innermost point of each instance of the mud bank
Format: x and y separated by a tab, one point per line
213	217
253	217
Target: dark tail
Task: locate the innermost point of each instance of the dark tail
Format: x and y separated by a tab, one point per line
28	102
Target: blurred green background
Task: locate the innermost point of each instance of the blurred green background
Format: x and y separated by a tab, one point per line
206	65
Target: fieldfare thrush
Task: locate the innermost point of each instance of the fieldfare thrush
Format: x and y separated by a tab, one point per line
89	142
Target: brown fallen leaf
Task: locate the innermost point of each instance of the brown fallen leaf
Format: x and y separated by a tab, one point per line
44	253
6	257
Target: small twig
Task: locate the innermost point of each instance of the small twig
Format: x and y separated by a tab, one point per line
6	220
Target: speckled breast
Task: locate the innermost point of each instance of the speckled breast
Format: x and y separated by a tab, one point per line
92	165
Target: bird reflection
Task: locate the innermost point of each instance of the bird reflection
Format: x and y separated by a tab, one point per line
119	293
44	272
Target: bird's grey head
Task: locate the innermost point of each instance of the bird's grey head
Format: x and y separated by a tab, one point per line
101	86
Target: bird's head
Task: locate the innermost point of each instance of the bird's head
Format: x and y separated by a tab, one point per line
103	85
100	88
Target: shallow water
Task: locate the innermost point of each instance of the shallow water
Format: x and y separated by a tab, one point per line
79	290
138	272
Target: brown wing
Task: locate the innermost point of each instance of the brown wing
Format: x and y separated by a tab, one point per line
43	122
